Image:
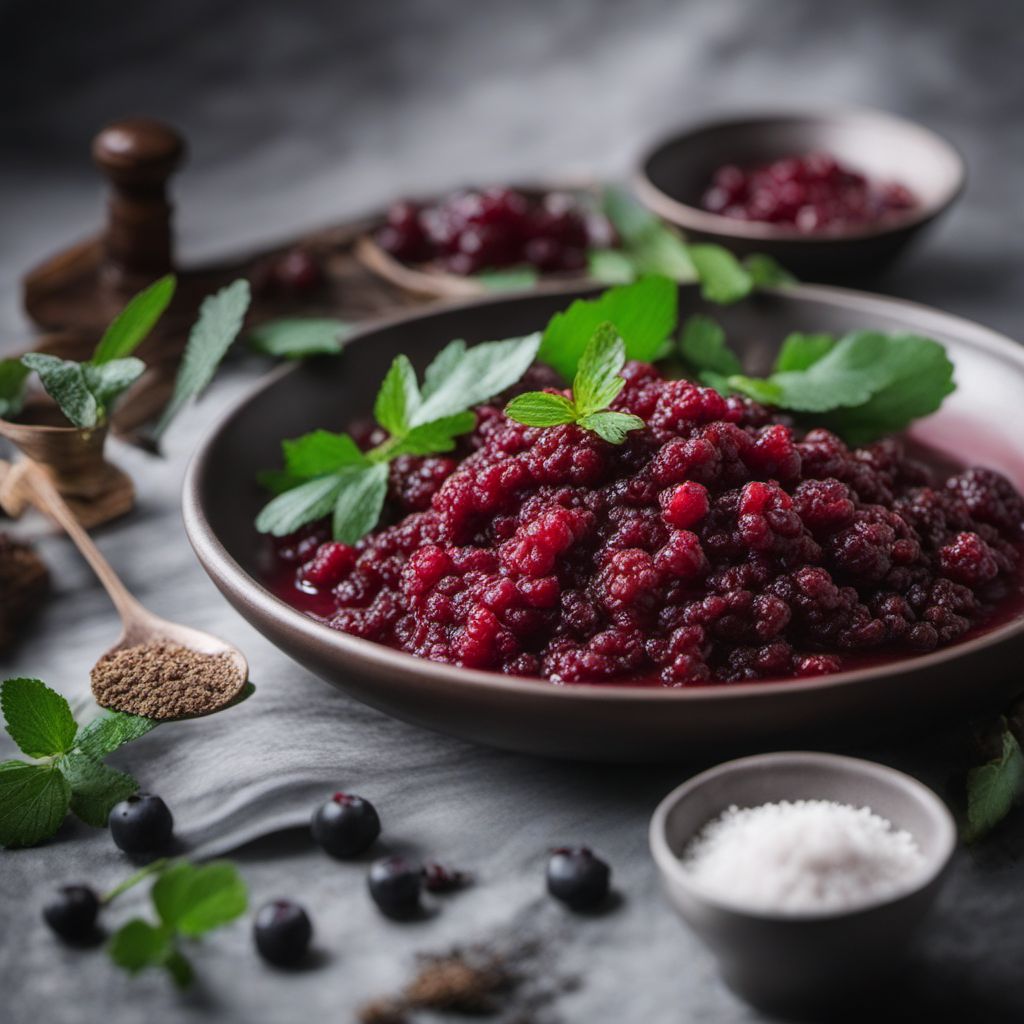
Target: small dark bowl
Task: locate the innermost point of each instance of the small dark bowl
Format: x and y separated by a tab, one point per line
676	173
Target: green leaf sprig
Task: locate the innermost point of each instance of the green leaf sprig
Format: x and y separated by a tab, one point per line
86	392
190	901
994	787
327	474
595	386
299	337
863	386
67	772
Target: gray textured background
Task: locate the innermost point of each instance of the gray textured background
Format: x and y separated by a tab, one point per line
299	113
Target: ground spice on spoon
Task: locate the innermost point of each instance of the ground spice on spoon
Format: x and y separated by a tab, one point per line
161	679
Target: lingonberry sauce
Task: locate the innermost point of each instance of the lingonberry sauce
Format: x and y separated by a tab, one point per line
472	231
716	545
809	193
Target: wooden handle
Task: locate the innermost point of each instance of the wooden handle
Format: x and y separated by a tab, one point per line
138	156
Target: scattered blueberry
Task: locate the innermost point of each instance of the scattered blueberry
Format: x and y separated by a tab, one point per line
141	824
395	885
345	825
578	878
437	878
282	932
72	912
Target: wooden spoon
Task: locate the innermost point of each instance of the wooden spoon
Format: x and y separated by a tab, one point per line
139	625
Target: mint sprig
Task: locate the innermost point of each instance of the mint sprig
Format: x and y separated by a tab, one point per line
135	321
863	386
13	374
327	474
595	386
189	902
994	787
67	771
299	338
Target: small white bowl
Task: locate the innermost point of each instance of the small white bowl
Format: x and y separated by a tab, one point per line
806	961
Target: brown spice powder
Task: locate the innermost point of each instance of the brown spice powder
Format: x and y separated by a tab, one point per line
164	680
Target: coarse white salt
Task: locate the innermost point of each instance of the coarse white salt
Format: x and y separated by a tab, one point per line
808	855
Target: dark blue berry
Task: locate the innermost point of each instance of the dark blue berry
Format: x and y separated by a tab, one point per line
141	824
345	825
72	913
578	878
396	884
282	932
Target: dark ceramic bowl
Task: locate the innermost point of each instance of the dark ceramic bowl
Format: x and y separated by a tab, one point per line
676	173
981	421
809	961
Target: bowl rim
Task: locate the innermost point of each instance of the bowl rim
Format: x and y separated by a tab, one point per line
671	868
225	570
693	218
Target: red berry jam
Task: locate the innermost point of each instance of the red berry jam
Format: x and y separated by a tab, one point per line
472	231
715	545
809	193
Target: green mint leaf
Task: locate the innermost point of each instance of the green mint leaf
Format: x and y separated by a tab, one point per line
704	348
38	719
760	390
723	279
177	965
442	367
303	504
299	337
13	374
194	900
516	279
220	320
398	397
643	313
103	735
482	372
541	409
95	788
277	481
135	321
921	377
359	502
597	382
993	788
802	351
610	266
320	452
33	802
64	382
139	944
435	436
662	251
766	272
630	219
110	379
718	381
612	426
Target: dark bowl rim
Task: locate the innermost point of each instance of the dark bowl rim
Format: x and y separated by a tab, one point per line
670	865
693	218
229	575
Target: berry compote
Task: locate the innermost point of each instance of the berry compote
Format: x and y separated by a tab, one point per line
472	231
718	544
809	193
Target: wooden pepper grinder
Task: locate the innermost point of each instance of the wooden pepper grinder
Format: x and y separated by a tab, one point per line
137	155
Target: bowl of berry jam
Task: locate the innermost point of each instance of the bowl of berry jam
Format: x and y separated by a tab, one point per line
723	579
476	240
831	195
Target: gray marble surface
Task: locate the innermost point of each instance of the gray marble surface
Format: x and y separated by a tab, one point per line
297	117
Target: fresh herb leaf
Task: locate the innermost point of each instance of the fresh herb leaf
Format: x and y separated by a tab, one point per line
135	321
306	503
596	385
13	374
802	351
321	452
34	799
441	367
194	900
109	379
723	279
649	245
38	719
64	381
299	338
103	735
139	944
704	350
610	266
993	788
358	505
644	314
766	272
398	398
220	320
95	787
435	436
515	279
